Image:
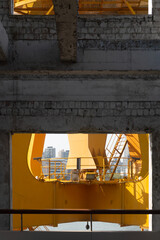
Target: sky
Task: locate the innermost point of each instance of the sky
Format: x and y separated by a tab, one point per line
58	141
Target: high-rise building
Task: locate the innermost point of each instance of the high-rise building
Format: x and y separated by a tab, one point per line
49	152
63	154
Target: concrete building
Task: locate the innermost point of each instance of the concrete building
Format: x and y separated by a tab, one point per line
63	153
73	73
49	152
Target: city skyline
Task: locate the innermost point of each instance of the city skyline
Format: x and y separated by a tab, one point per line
51	152
61	142
58	141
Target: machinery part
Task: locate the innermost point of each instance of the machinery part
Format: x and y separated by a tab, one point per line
87	226
121	7
28	193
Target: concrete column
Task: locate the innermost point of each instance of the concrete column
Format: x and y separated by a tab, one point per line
5	179
155	146
66	12
156	10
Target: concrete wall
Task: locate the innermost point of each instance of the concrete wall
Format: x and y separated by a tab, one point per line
155	178
5	179
80	101
104	42
3	43
91	55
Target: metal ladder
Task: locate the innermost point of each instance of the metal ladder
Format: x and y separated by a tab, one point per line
117	146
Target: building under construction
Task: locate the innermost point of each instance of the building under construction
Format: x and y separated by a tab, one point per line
88	69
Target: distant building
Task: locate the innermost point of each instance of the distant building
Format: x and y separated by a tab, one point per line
63	154
64	158
56	165
123	169
49	152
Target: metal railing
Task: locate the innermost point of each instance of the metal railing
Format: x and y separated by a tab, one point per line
77	211
119	7
118	168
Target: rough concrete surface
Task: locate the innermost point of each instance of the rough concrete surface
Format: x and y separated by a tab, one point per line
80	102
79	235
81	96
3	43
155	178
66	12
5	178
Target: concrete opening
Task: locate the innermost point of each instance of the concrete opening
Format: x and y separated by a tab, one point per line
111	169
102	157
112	7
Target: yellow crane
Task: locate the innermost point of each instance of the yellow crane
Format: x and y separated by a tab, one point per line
112	7
94	182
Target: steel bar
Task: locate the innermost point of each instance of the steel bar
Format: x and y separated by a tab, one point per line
21	222
78	211
91	221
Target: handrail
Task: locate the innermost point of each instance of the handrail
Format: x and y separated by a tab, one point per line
55	169
77	211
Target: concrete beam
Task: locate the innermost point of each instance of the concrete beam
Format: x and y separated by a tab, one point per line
79	86
5	179
3	43
66	12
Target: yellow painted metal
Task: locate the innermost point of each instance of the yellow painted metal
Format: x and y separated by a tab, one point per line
96	145
34	152
29	193
21	3
115	7
129	6
115	147
127	195
80	148
32	7
52	169
50	10
136	195
118	159
139	152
